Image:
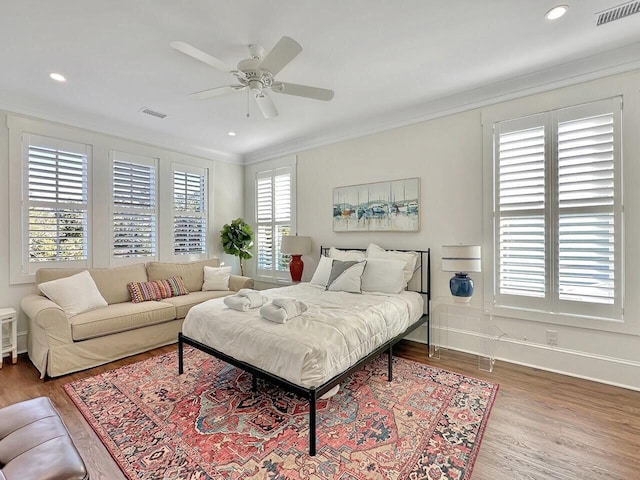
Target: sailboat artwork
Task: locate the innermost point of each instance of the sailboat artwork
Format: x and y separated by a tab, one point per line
392	206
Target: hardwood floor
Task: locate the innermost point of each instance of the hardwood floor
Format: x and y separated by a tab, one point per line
543	426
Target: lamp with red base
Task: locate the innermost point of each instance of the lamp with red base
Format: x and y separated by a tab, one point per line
296	246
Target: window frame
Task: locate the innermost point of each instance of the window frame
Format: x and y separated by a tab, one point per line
551	310
28	268
134	159
274	224
289	161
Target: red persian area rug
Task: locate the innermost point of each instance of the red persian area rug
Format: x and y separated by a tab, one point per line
208	424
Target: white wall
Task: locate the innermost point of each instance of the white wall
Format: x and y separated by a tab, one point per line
226	201
447	155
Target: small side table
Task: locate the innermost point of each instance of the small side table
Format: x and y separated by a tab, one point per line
478	324
9	323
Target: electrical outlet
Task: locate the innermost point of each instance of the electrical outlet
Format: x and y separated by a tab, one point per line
552	337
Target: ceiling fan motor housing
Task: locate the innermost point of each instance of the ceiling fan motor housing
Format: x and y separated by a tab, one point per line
253	76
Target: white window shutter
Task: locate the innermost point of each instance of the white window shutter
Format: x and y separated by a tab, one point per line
559	211
587	206
190	211
274	195
57	186
134	207
521	206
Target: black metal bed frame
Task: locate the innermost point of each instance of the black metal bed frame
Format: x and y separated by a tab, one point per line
314	393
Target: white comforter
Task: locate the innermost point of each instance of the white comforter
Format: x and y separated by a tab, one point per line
335	332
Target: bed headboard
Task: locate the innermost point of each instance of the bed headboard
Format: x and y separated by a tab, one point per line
421	280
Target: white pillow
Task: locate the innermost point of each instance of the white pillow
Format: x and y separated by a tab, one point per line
322	273
383	276
347	255
216	278
75	294
346	276
410	258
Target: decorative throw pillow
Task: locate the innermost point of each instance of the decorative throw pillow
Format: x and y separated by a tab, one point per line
346	276
383	276
144	291
156	289
323	270
346	255
410	258
216	278
74	294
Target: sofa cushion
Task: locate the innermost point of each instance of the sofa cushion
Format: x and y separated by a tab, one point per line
120	317
183	304
192	273
112	282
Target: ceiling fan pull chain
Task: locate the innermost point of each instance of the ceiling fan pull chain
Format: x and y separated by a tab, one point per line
247	103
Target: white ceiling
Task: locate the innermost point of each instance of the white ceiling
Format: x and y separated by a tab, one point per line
390	62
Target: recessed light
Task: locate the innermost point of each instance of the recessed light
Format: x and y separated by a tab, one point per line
231	134
556	12
57	77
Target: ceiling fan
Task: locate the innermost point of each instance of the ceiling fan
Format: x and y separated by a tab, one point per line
257	74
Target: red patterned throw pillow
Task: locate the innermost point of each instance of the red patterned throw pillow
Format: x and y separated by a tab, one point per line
157	289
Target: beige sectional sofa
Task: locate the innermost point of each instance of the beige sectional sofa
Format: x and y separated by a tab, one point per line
59	345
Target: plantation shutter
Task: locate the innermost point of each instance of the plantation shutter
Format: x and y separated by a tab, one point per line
189	205
588	209
521	208
57	218
559	211
134	206
273	218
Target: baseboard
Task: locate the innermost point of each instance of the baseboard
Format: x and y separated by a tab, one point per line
598	368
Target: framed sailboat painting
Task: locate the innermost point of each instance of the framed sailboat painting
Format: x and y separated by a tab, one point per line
392	206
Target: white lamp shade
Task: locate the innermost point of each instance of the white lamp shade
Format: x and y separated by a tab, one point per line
461	258
295	245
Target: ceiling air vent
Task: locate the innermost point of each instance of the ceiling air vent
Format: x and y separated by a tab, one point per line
153	113
616	13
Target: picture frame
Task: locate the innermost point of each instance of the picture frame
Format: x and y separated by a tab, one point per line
389	206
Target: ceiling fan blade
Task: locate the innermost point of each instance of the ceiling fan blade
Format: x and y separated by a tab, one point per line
303	91
216	92
284	51
266	105
200	55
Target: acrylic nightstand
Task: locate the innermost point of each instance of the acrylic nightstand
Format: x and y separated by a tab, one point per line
478	324
9	329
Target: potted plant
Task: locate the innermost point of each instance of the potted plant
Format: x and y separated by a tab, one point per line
237	240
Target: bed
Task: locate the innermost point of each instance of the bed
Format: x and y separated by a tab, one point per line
311	354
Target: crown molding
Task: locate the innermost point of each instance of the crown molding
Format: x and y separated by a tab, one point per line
589	68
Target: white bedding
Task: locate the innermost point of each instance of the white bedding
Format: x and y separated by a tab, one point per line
335	332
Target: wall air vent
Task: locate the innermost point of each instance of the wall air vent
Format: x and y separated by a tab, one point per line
153	113
616	13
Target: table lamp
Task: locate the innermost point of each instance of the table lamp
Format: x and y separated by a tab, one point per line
461	259
296	246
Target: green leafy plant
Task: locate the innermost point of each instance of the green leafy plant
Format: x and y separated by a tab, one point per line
237	240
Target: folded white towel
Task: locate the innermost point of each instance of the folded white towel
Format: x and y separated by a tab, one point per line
255	298
282	314
292	306
242	304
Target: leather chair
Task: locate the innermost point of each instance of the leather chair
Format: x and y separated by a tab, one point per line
35	444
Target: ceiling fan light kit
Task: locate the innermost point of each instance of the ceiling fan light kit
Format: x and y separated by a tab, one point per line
256	74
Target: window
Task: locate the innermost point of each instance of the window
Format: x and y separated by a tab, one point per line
274	219
189	211
56	224
134	210
558	210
